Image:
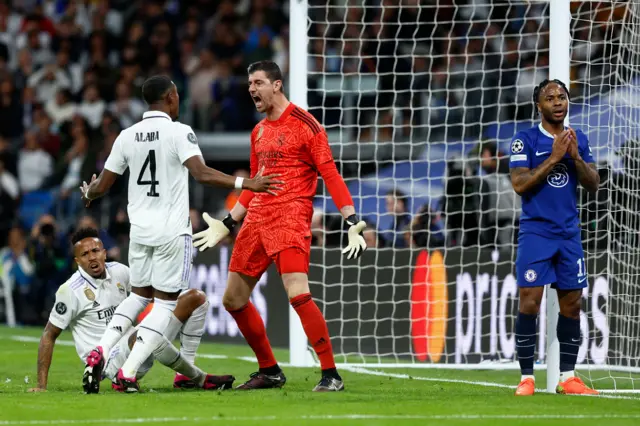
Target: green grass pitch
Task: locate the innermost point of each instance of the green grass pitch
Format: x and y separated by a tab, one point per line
392	397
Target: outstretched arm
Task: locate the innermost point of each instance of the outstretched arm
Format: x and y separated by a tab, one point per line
208	176
45	354
98	187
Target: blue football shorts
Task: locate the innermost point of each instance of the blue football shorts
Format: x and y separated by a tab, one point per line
542	261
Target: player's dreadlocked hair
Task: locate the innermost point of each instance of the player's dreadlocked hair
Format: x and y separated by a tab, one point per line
155	88
544	83
83	233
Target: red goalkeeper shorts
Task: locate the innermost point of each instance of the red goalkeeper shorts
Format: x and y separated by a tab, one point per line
258	244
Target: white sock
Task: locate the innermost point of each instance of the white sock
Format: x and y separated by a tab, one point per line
173	328
150	335
123	319
192	332
566	375
168	355
527	376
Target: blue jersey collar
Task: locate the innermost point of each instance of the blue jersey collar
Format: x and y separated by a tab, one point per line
544	132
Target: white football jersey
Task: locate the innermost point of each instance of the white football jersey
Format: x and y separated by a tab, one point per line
155	150
85	305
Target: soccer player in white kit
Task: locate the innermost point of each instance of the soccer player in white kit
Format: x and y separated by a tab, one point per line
159	153
85	304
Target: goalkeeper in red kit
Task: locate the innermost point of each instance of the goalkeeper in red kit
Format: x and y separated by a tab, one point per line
290	143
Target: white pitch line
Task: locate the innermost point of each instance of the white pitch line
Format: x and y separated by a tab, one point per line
211	356
362	370
29	339
532	417
467	382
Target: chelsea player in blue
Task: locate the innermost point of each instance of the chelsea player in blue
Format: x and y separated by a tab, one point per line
547	163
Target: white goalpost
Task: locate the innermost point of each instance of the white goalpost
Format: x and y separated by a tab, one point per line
418	97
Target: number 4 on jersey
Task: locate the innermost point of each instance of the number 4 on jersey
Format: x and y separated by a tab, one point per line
151	163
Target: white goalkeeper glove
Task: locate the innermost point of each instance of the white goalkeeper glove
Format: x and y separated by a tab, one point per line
356	245
218	229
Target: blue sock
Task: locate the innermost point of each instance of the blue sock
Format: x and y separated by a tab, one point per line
526	336
569	338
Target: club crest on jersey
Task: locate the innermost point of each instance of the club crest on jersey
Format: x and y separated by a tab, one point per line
191	137
89	294
120	288
280	140
530	275
559	176
517	146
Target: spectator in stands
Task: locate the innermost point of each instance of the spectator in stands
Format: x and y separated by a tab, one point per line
35	165
38	44
10	111
200	88
24	69
258	44
226	44
396	204
17	272
61	108
9	194
29	106
47	81
128	109
460	204
92	106
500	204
427	229
493	160
48	140
50	256
110	135
68	204
68	37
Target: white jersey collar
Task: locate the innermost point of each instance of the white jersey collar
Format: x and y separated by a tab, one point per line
544	132
154	114
94	282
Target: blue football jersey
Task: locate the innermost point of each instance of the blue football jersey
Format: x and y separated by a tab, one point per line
549	210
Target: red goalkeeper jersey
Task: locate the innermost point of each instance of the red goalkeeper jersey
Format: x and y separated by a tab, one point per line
296	147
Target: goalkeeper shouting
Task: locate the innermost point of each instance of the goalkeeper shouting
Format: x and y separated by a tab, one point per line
277	228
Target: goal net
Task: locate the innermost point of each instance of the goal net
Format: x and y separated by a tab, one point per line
420	100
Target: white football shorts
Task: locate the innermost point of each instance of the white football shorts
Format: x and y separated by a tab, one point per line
166	268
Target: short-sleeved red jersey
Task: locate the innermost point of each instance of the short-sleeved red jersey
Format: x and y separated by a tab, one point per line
296	147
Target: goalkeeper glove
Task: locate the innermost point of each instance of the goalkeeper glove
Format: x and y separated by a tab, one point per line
218	229
356	245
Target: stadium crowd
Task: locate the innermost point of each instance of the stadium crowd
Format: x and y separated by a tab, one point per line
70	78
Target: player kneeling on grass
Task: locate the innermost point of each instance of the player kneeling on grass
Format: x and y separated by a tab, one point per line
85	305
547	163
277	227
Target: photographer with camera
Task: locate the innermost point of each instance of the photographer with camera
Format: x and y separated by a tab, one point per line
48	254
